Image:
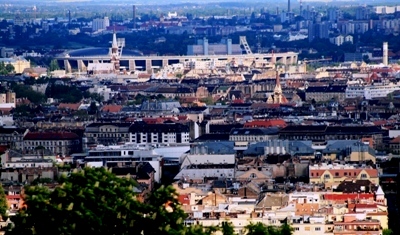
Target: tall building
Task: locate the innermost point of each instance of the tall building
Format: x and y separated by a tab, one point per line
320	30
334	14
134	16
385	59
362	13
100	24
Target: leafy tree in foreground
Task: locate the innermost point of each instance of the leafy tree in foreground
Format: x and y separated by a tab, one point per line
227	228
3	202
90	201
95	201
262	229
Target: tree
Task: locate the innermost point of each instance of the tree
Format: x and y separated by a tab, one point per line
95	201
9	68
227	228
92	110
285	229
54	65
387	231
256	229
89	201
3	202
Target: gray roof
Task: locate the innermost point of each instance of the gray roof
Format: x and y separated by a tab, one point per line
335	146
201	173
220	147
272	200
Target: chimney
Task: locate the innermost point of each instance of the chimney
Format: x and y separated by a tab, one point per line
288	6
385	54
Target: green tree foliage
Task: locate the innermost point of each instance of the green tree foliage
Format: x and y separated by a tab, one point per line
66	94
90	201
25	91
6	68
387	232
227	228
54	65
262	229
95	201
3	202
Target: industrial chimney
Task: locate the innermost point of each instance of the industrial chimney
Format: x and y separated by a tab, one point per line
385	54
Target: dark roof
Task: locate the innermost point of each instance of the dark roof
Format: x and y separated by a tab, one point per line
213	137
306	129
356	186
359	130
10	130
255	131
325	89
222	184
191	109
51	136
240	105
118	124
142	127
224	128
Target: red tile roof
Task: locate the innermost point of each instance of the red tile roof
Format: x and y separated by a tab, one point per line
111	108
266	123
395	140
348	196
69	106
184	199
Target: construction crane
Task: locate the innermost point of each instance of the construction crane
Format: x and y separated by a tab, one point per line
243	42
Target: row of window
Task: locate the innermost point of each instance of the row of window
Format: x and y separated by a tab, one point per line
307	229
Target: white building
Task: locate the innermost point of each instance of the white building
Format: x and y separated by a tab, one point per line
171	133
100	24
104	91
120	155
371	91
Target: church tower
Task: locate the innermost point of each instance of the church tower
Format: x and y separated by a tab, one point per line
277	97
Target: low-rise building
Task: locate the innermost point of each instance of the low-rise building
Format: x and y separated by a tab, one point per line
58	143
333	174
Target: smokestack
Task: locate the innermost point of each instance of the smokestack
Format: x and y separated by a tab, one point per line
385	60
69	17
288	6
134	16
301	8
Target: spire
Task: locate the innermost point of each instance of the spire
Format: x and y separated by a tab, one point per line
278	79
114	42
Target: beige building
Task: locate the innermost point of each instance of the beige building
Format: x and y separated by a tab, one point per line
333	174
19	63
8	98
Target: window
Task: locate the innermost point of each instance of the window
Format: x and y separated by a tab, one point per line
327	176
312	174
307	228
317	228
363	176
296	229
253	176
336	173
